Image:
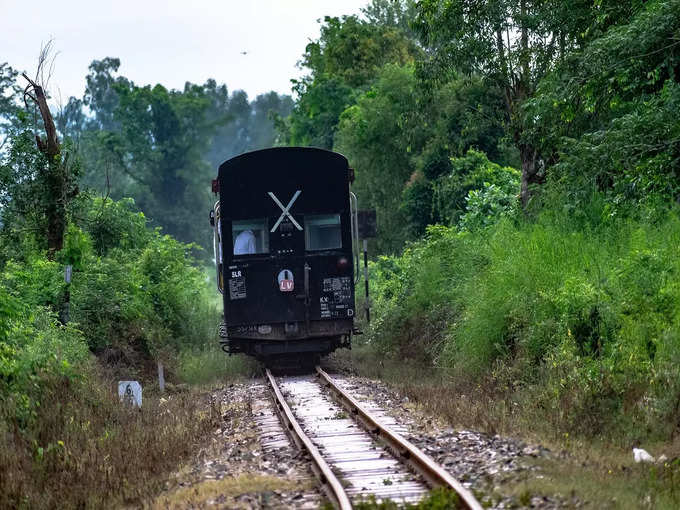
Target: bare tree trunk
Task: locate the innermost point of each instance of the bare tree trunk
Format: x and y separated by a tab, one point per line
528	154
56	178
530	172
56	206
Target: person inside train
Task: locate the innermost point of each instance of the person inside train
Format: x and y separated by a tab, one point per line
245	243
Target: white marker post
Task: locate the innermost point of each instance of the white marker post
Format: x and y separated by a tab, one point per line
367	303
66	310
130	392
161	377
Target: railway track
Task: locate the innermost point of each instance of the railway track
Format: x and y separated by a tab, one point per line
352	453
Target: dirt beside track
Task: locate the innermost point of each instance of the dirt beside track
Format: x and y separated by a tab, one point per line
241	467
483	463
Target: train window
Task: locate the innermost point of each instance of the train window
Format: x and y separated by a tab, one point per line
250	236
322	232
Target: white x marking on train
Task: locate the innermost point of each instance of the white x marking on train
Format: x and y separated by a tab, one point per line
285	210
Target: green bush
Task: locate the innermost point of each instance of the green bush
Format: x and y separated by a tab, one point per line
418	293
132	288
112	224
487	205
474	171
587	314
34	349
37	282
134	293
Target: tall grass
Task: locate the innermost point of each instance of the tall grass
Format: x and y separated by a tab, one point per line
608	293
136	297
209	364
583	316
86	450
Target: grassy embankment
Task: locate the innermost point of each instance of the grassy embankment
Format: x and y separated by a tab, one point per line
557	330
136	297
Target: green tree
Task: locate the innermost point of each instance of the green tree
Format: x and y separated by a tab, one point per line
243	125
97	133
9	96
463	113
376	134
265	108
391	13
160	147
401	139
71	119
605	116
38	175
342	63
102	91
314	119
512	45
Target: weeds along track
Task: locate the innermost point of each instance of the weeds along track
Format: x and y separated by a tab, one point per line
353	455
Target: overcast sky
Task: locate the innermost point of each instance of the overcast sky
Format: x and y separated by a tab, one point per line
168	42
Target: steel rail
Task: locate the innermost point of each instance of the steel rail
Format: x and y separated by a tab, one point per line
434	474
330	483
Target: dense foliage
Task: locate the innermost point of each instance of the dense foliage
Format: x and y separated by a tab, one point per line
568	301
604	117
342	63
162	147
589	310
523	158
134	295
402	141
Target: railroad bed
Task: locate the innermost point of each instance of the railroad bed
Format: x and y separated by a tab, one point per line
353	454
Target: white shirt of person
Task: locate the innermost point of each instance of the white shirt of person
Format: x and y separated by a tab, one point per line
245	243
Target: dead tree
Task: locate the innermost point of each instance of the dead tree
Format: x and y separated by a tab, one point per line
58	186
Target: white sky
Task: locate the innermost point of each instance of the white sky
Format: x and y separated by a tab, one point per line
167	42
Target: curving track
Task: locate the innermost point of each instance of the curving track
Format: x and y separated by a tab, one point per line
353	454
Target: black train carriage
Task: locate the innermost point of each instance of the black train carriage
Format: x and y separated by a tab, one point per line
284	235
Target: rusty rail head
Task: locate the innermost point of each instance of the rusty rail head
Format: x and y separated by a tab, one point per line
434	474
330	483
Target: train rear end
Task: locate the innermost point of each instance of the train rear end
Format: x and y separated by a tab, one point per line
284	231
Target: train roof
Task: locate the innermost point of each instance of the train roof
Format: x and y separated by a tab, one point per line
277	158
320	177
